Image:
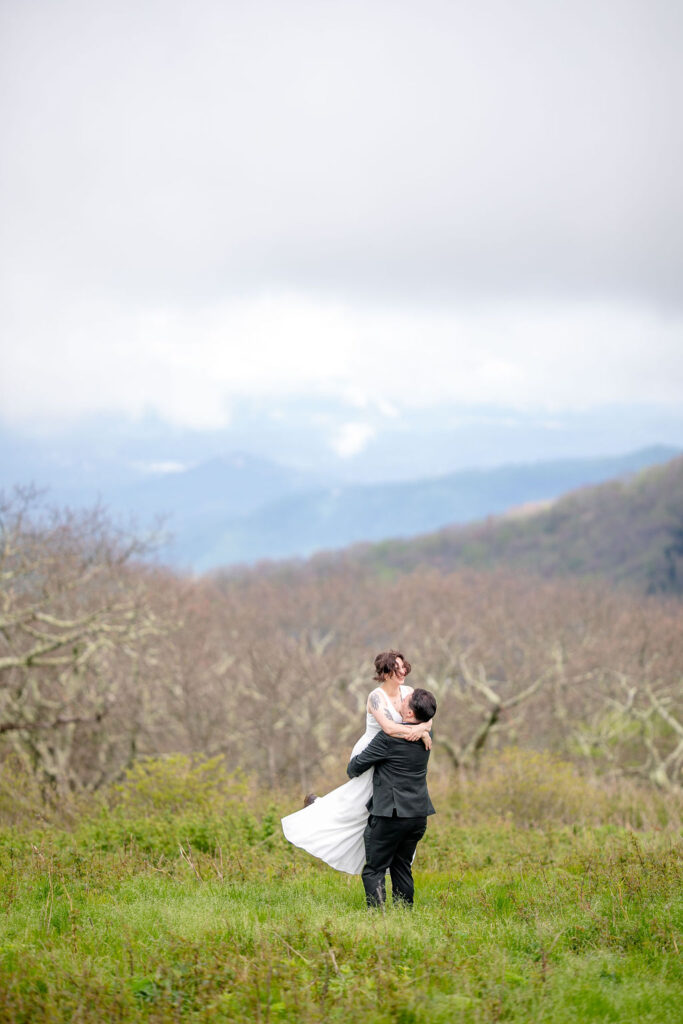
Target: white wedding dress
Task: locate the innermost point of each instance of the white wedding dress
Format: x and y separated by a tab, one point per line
332	827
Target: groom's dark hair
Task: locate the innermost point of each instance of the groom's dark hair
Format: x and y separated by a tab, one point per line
423	704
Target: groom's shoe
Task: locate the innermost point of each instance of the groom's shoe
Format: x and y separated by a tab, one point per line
310	799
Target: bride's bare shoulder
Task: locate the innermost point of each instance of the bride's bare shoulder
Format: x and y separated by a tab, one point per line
374	699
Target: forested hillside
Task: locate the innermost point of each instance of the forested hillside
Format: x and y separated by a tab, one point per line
625	531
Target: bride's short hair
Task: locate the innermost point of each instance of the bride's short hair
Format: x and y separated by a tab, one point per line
385	664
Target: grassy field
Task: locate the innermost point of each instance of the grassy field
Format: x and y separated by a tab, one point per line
190	906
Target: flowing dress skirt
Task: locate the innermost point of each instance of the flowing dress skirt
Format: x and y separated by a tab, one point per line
332	827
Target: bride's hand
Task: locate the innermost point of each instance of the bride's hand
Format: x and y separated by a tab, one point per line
421	732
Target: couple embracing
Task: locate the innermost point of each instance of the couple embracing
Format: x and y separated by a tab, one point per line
373	823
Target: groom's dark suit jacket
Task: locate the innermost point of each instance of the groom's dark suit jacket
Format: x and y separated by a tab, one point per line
400	777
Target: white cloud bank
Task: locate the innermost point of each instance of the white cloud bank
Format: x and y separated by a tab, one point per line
401	203
352	438
188	366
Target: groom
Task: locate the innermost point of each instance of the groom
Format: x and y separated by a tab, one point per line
399	804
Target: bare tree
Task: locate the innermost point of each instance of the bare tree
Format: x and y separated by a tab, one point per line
74	623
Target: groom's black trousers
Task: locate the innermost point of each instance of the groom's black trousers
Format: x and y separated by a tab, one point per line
390	846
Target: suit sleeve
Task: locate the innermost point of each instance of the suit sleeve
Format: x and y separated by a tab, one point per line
377	750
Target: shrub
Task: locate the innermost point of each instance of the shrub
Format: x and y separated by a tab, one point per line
534	787
177	784
165	803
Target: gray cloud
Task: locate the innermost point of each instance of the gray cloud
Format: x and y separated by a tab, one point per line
457	202
165	151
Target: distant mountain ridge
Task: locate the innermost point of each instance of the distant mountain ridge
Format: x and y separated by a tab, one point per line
333	518
238	508
625	531
196	502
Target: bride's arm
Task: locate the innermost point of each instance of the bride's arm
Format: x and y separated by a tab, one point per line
381	713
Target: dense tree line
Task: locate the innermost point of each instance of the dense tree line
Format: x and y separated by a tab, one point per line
104	659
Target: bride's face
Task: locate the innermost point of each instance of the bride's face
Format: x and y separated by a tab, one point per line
400	670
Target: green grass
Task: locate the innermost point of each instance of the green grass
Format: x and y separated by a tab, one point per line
557	924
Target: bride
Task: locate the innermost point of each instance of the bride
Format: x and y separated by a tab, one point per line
331	827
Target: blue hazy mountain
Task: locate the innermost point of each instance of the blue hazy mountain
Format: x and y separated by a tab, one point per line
334	517
229	485
277	482
195	504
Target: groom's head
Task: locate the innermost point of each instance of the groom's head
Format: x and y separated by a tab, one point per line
418	706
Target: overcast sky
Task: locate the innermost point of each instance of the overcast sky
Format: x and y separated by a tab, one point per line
477	202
